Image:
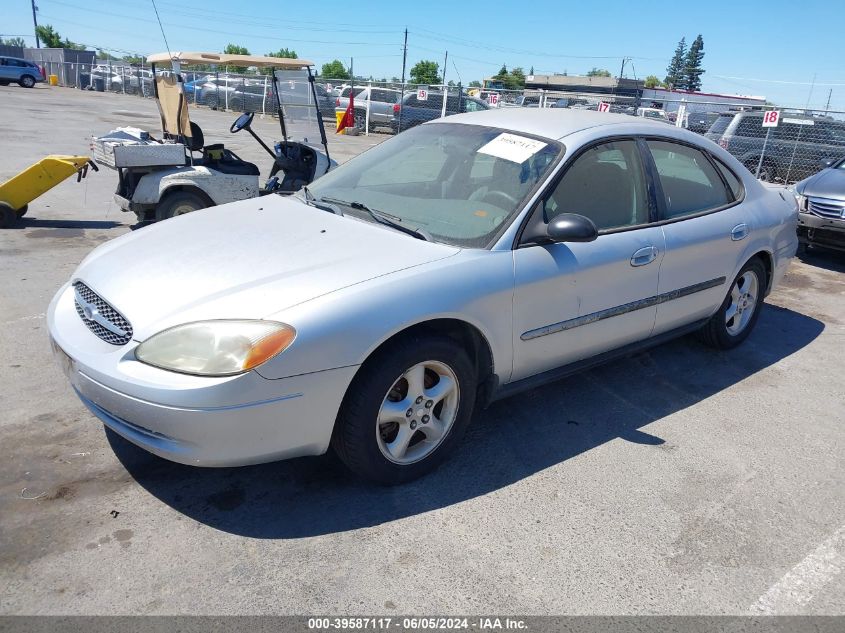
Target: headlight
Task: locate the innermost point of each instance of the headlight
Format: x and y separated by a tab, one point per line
216	348
800	199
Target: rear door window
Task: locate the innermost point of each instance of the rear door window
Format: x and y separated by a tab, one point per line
690	182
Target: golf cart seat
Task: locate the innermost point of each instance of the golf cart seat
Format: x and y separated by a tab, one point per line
226	161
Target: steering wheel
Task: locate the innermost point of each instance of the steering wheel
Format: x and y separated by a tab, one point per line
493	196
245	120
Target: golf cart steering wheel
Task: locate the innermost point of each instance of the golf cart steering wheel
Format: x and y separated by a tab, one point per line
243	121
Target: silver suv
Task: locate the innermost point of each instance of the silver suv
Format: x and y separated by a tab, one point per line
20	71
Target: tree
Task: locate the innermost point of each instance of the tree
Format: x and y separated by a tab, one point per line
282	52
49	37
598	72
652	82
515	79
692	68
475	84
675	70
425	72
531	72
335	70
13	41
234	49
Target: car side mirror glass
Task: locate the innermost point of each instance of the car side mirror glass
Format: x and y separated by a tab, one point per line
571	227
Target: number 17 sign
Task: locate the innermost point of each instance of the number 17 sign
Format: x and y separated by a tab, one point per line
771	118
604	106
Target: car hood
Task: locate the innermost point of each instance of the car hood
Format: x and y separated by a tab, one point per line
828	183
247	259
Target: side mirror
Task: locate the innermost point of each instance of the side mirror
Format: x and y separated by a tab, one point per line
827	162
571	227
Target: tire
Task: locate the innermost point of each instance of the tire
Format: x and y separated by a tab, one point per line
4	82
432	423
8	217
27	81
768	171
360	121
22	211
179	203
722	332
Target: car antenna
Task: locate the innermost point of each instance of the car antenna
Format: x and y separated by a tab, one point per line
166	45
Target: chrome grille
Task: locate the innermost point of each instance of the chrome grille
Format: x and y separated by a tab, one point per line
827	208
102	319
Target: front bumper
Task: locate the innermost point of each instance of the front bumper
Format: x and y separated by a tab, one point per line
201	421
826	232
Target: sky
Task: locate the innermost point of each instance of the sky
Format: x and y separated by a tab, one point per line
785	51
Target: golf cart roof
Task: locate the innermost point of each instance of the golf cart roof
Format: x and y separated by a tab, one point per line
229	60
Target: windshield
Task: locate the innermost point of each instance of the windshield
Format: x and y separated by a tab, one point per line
300	110
461	184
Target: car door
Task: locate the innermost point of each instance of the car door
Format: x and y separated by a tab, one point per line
704	226
5	70
576	300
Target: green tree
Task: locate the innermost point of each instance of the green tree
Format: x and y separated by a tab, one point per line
425	72
692	68
598	72
13	41
49	37
286	53
675	70
234	49
475	84
652	82
531	72
515	79
335	70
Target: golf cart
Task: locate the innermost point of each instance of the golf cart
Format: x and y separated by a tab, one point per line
179	173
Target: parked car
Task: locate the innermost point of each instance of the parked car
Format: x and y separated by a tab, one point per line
381	103
796	147
654	114
700	122
20	71
821	207
109	78
218	91
462	261
416	111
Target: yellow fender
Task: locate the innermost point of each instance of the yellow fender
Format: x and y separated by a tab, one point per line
39	178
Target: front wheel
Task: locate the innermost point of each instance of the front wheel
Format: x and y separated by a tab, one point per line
740	310
406	410
27	81
8	217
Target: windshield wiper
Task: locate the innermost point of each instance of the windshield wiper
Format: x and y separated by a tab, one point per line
321	204
382	218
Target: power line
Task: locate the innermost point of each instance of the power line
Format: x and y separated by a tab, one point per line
162	28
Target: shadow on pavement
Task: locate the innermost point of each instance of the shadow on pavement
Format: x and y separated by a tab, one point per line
824	258
35	223
513	439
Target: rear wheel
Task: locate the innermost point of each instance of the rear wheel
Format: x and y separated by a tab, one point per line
4	82
406	410
22	211
27	81
361	120
8	217
211	101
740	310
179	203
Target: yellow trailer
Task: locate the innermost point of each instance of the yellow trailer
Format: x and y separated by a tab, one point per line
20	190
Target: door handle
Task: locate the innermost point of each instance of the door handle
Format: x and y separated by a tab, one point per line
739	232
643	256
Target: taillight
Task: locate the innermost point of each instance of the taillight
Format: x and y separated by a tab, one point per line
723	143
396	108
337	102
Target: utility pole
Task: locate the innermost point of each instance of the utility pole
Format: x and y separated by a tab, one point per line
829	95
445	59
402	93
35	25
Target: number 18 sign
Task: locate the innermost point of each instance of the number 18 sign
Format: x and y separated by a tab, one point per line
771	118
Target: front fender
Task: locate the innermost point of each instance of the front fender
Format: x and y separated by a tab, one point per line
219	187
344	327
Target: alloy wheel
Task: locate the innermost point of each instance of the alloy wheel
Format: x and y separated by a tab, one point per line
418	412
743	303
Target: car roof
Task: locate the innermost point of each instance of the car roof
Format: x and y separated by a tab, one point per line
556	122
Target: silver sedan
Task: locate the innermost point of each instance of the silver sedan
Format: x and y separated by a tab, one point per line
457	263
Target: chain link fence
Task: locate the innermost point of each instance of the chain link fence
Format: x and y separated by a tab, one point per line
803	142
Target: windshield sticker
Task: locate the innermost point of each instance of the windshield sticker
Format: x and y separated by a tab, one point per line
517	149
